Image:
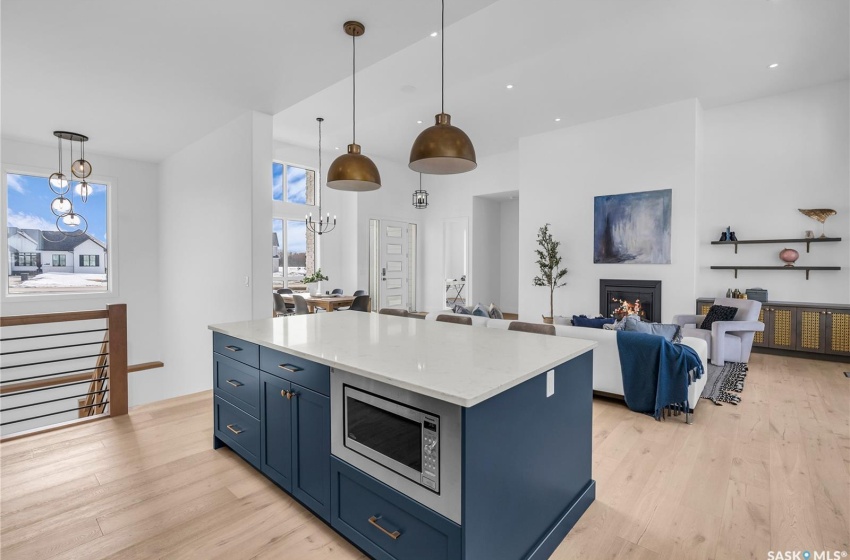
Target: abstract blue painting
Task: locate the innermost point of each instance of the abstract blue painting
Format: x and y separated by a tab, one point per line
632	228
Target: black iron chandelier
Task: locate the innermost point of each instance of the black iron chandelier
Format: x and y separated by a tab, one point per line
323	225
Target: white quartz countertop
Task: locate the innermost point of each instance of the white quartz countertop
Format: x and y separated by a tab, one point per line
455	363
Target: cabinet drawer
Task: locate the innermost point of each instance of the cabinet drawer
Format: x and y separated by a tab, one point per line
298	370
237	383
386	524
240	350
240	431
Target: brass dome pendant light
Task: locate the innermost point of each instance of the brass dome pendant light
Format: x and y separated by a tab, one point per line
442	149
353	171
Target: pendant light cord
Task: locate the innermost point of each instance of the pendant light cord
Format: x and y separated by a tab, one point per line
353	90
320	168
443	57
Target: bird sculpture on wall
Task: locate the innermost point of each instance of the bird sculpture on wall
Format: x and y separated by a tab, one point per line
819	214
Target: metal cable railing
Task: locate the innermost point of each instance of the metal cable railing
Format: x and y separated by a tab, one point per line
36	392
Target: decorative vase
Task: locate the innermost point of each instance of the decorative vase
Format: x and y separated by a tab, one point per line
547	320
789	257
313	288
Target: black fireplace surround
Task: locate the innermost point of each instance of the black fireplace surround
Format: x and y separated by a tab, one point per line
647	291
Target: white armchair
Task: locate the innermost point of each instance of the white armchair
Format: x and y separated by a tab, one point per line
728	341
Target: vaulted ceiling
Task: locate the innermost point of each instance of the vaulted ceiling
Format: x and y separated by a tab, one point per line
144	79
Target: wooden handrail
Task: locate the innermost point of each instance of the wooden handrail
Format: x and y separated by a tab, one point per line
143	366
38	384
18	320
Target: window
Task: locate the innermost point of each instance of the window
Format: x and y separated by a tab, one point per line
33	240
294	249
293	184
294	254
27	259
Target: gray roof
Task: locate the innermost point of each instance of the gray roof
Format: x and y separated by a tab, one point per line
55	240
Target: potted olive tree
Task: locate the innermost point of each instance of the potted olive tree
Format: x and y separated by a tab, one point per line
549	262
312	281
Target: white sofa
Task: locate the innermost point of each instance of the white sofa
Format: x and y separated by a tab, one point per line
607	376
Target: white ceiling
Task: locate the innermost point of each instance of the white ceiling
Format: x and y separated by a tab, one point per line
145	78
153	76
579	60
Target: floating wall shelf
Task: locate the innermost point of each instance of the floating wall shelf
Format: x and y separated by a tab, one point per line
808	242
806	268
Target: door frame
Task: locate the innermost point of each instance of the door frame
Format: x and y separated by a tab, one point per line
375	261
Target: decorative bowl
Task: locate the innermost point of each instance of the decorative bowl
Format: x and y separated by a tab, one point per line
789	256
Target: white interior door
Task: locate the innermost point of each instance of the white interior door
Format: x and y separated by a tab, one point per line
394	258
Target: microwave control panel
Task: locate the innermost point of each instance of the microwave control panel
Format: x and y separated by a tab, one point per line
431	453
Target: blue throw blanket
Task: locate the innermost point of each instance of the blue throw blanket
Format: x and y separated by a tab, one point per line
656	373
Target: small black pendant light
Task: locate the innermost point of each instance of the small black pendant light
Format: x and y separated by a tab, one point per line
420	197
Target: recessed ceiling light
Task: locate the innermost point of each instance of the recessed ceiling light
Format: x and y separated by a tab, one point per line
510	86
434	34
336	148
418	122
774	65
558	119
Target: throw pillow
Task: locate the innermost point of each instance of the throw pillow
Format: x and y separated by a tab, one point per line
494	312
718	313
594	323
673	333
460	310
480	311
561	320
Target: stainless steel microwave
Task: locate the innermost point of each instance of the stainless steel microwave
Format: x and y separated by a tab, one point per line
402	438
408	441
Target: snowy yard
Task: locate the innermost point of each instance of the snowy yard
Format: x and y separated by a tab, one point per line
64	280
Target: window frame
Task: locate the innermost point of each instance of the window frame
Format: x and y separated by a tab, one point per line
63	260
112	251
293	211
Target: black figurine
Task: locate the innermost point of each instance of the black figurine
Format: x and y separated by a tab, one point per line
723	237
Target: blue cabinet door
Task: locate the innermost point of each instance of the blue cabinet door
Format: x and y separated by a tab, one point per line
276	429
311	449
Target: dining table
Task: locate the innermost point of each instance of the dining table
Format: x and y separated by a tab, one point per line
326	302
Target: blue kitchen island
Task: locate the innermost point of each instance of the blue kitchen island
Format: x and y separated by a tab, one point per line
413	439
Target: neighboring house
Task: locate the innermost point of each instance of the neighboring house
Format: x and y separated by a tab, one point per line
53	251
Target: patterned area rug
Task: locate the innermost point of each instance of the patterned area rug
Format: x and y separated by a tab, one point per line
725	382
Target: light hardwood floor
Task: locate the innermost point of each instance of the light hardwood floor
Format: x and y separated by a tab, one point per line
772	473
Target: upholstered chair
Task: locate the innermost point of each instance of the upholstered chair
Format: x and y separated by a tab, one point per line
728	341
394	311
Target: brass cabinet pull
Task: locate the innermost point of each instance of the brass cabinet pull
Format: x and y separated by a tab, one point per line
234	383
394	535
290	368
233	348
287	394
829	312
234	430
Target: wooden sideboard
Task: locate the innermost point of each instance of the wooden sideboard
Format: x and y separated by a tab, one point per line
792	327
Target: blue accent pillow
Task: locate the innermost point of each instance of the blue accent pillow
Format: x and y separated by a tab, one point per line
594	323
460	310
480	311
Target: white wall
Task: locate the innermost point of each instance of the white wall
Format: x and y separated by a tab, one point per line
486	269
213	246
562	171
451	196
509	287
764	159
133	253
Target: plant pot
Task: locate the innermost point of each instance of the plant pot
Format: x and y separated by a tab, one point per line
547	320
314	289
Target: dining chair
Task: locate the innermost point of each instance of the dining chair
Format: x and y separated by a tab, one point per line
280	307
360	303
301	307
393	311
359	293
290	307
456	319
336	291
536	328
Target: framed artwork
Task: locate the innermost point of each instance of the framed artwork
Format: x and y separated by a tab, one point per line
632	228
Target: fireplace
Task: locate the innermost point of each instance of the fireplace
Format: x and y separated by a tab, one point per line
618	298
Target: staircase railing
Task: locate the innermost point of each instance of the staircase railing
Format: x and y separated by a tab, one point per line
47	359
